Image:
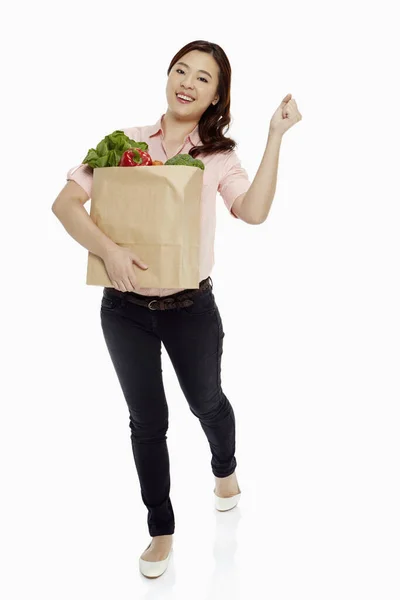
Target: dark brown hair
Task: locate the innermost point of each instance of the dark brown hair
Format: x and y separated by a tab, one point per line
217	116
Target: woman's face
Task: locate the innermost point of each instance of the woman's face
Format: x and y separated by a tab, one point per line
192	80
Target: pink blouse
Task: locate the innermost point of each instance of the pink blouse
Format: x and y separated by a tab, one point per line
223	173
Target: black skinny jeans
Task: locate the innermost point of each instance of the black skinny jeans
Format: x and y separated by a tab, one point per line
193	338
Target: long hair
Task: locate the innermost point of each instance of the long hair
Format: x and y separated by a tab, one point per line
216	117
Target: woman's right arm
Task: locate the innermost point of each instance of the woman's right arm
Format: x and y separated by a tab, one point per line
68	208
118	261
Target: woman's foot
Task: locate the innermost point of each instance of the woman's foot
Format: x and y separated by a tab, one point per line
159	548
226	487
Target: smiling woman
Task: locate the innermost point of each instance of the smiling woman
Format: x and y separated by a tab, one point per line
200	71
198	97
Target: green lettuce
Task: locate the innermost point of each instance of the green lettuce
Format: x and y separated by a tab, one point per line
109	151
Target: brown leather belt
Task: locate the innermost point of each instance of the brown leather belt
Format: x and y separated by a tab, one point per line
177	300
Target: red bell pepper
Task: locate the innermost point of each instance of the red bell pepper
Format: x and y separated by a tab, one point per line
135	157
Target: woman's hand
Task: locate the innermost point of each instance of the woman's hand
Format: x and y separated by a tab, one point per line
118	263
286	115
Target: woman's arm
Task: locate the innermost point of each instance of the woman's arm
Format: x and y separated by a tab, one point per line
258	199
68	208
254	206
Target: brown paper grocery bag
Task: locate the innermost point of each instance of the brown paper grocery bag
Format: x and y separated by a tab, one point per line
155	212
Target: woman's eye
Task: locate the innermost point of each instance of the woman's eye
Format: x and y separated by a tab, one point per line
200	77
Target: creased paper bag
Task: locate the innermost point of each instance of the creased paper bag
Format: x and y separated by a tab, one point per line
155	212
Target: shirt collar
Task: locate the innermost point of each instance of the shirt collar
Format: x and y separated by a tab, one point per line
157	128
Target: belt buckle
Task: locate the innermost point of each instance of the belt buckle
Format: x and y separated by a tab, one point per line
151	302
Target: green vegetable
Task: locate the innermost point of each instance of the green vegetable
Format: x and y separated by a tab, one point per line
185	159
109	151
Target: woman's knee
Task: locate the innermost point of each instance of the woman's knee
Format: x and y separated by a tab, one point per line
147	430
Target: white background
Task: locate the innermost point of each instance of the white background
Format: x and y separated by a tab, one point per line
309	302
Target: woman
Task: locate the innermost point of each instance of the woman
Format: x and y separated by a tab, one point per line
136	321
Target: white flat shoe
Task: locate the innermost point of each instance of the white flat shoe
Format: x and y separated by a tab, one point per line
153	569
223	504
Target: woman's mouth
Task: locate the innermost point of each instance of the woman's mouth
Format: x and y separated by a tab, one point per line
182	101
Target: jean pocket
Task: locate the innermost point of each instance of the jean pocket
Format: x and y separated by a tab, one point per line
203	304
110	302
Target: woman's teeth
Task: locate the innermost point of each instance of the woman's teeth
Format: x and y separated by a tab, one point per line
183	100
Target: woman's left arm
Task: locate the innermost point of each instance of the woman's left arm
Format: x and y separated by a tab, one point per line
254	206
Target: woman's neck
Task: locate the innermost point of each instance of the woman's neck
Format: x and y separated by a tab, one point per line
176	130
